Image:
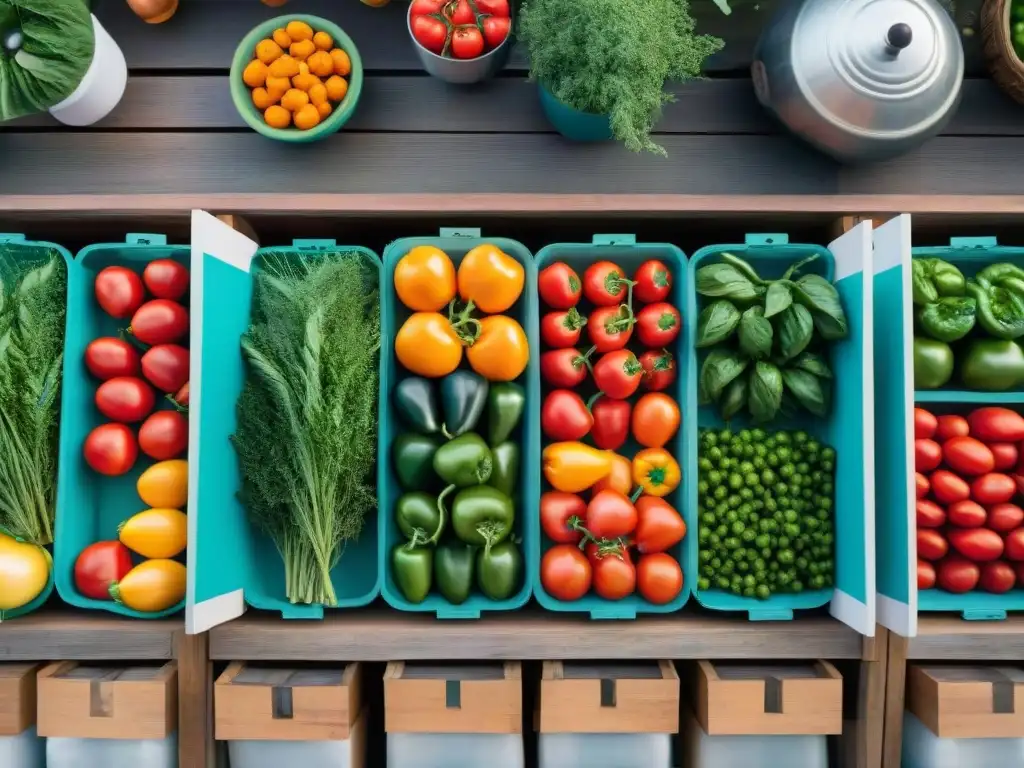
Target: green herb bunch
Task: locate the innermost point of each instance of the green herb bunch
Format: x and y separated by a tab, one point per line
307	416
613	57
33	306
767	339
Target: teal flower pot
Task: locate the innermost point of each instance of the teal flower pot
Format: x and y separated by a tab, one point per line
573	124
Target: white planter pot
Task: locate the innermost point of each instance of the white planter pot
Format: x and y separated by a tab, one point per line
102	86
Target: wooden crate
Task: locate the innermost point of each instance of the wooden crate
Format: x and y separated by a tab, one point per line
471	698
17	698
793	699
289	704
108	702
967	702
593	697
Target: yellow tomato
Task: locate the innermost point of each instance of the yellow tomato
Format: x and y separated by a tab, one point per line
156	532
428	345
24	572
490	278
165	484
500	352
425	279
154	585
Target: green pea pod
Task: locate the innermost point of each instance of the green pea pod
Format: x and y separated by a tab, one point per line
453	571
506	402
481	516
933	363
419	518
413	570
948	319
505	471
933	278
413	457
499	570
415	399
463	397
1000	310
466	460
993	366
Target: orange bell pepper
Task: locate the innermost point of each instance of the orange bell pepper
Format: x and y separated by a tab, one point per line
656	471
573	467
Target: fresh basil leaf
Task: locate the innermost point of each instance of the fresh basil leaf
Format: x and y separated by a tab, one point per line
765	397
807	389
797	266
735	397
743	266
720	367
725	281
821	297
795	330
755	333
716	323
813	363
779	297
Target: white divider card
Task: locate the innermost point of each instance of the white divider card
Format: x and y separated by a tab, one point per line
218	534
852	434
894	413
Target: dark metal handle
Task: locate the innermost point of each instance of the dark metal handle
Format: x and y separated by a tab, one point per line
898	37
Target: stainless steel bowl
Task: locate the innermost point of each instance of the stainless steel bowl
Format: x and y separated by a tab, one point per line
461	71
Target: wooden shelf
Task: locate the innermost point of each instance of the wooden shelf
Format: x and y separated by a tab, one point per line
386	636
950	638
80	635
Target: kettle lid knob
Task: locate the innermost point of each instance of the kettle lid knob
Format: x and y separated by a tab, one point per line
899	37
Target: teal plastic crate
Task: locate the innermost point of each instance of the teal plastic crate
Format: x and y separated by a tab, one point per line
457	243
849	429
90	506
231	563
29	251
628	254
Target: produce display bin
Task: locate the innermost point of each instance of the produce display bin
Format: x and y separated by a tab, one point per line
593	715
849	428
454	716
27	252
231	563
627	253
90	506
273	716
20	745
703	751
456	243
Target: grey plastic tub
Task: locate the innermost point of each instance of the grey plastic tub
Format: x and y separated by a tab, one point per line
461	71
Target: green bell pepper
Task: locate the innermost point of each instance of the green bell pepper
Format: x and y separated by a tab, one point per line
1000	308
499	570
933	278
993	366
413	569
505	468
463	397
413	457
466	460
415	399
419	518
453	571
949	318
481	516
933	363
1007	275
506	402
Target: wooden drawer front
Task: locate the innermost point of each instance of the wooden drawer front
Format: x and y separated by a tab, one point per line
964	702
17	698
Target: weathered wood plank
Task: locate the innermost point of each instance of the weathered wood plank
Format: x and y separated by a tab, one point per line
949	638
86	635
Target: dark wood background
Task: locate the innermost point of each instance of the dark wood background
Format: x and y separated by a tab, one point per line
177	131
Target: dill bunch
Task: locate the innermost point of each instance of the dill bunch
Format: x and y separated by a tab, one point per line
613	57
307	415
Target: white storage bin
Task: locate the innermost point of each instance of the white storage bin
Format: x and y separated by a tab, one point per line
607	715
308	754
923	749
702	751
454	716
20	745
23	750
112	753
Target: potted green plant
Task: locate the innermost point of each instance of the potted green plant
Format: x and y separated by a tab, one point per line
602	65
56	57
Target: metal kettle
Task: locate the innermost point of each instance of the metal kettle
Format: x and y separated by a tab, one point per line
861	80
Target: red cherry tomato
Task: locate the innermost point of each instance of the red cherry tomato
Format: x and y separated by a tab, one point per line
997	577
99	565
614	577
930	514
159	322
605	284
659	369
659	578
494	7
166	279
556	508
951	426
923	486
1005	517
653	282
559	286
425	7
164	435
467	42
977	544
565	572
563	367
165	366
993	488
562	328
108	357
607	548
181	397
1005	455
429	32
119	291
609	328
460	12
110	449
948	488
126	399
925	574
1014	548
968	456
618	374
996	425
927	455
611	422
930	544
657	325
965	514
925	424
564	416
659	526
610	515
496	30
955	574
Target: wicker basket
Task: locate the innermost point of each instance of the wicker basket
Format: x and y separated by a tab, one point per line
1004	65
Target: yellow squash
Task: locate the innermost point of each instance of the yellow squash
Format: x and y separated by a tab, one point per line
154	585
24	572
155	533
165	484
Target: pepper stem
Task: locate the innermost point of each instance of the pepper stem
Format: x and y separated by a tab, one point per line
636	494
466	327
443	512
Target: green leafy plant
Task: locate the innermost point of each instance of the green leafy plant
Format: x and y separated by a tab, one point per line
613	57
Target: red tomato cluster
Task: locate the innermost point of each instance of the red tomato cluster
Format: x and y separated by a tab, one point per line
969	475
618	542
158	322
460	29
